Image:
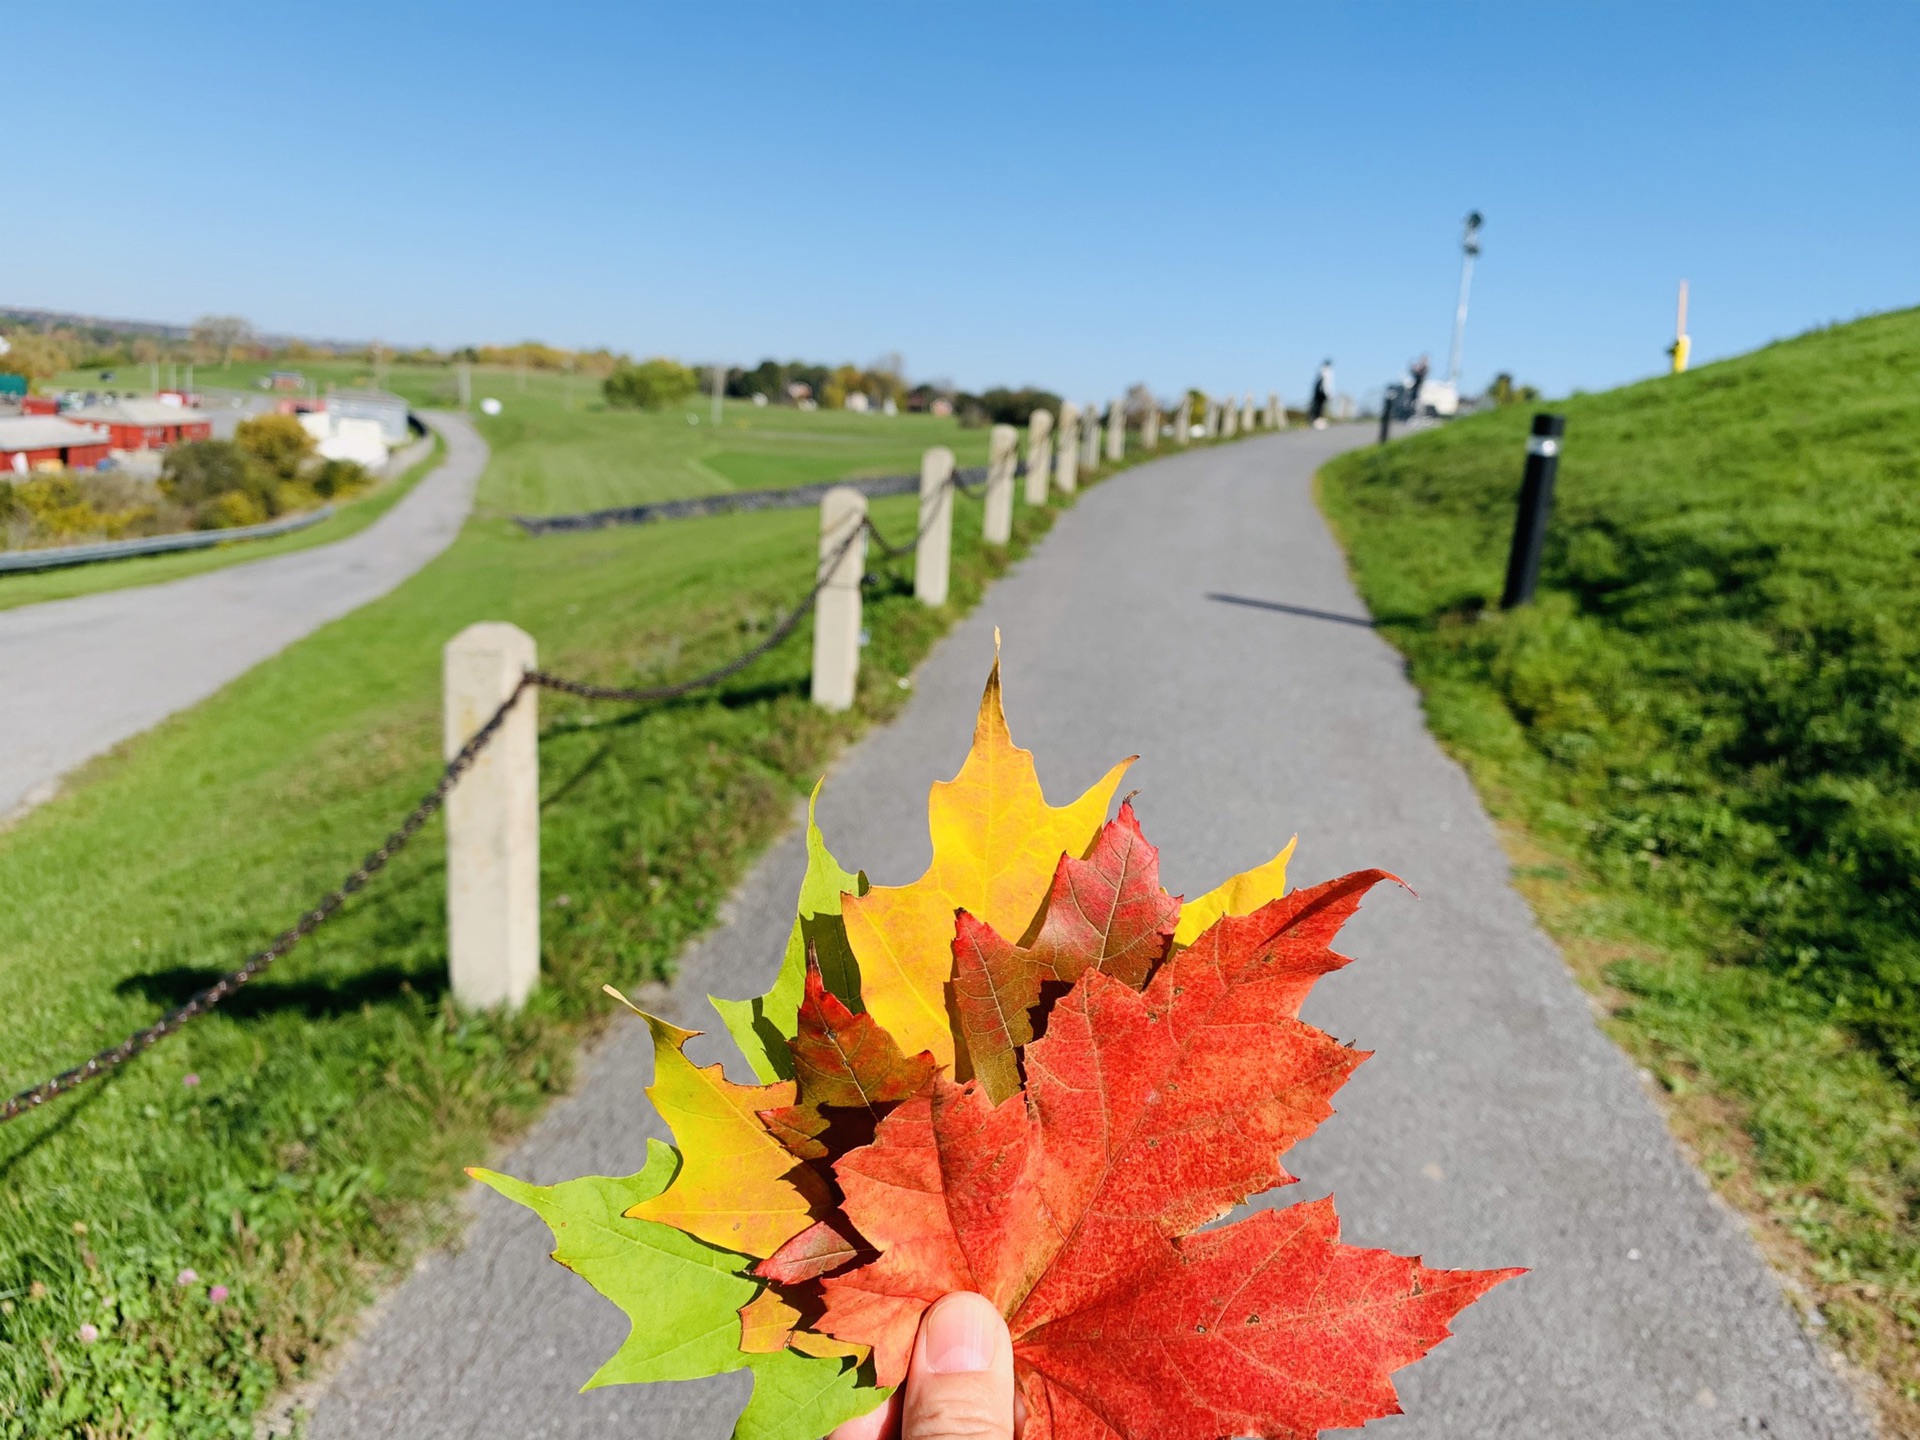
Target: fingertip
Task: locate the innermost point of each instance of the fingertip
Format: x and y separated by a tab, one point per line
880	1423
962	1334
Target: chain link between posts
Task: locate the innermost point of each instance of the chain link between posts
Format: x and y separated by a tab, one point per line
430	804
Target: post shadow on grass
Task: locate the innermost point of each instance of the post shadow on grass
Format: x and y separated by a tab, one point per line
315	999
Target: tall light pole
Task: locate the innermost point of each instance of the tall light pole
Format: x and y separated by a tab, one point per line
1470	247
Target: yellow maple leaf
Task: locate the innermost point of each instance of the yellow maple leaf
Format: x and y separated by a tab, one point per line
768	1323
995	844
737	1187
1242	895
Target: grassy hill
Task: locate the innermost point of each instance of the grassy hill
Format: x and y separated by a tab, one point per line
1703	742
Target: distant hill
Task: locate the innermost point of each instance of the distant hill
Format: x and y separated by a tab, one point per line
103	330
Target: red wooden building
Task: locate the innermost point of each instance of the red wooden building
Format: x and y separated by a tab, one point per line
144	424
37	442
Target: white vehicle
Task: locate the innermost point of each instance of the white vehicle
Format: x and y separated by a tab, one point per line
1440	397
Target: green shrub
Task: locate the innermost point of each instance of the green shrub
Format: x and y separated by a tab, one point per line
651	385
232	510
338	479
202	473
280	443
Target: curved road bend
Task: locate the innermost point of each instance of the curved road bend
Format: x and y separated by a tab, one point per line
79	676
1197	611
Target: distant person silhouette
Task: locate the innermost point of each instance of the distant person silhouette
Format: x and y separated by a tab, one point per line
1322	393
1418	370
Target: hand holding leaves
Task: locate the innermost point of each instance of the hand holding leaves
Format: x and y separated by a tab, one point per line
1033	1074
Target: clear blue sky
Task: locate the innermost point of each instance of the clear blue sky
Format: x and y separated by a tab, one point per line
1081	196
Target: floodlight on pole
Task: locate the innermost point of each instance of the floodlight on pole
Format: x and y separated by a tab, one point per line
1469	247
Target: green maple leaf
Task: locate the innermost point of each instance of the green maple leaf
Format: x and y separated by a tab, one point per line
683	1297
762	1026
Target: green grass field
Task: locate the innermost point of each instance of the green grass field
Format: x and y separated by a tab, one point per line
301	1144
349	518
558	448
551	460
1702	744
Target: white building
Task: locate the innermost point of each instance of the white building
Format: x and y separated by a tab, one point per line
389	411
344	437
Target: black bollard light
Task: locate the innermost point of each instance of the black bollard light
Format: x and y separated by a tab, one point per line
1536	501
1386	414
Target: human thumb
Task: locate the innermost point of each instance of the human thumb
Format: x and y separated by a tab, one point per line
960	1383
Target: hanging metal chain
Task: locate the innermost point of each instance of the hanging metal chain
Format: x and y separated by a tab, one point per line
430	804
258	962
788	623
894	552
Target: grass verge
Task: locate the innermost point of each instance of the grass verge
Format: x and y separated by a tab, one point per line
1699	746
298	1146
349	518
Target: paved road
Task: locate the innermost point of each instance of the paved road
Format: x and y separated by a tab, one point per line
79	676
1197	611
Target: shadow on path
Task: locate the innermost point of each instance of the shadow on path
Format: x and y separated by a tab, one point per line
1305	611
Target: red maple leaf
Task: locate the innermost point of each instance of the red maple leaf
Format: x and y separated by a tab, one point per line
845	1062
1073	1203
1108	910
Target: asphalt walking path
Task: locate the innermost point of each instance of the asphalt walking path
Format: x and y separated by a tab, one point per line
79	676
1197	611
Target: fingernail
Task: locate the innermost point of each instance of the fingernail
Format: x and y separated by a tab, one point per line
960	1337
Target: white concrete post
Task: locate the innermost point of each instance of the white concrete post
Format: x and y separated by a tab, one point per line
1066	459
1229	418
1117	431
1150	429
836	609
1213	420
1183	421
1246	412
1089	437
493	821
1276	417
1039	456
933	557
1003	450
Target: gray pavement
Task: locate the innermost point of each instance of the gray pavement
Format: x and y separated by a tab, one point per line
1197	611
79	676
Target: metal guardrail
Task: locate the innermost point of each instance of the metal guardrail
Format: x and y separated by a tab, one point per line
58	556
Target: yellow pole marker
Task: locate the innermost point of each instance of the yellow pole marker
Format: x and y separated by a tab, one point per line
1682	342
